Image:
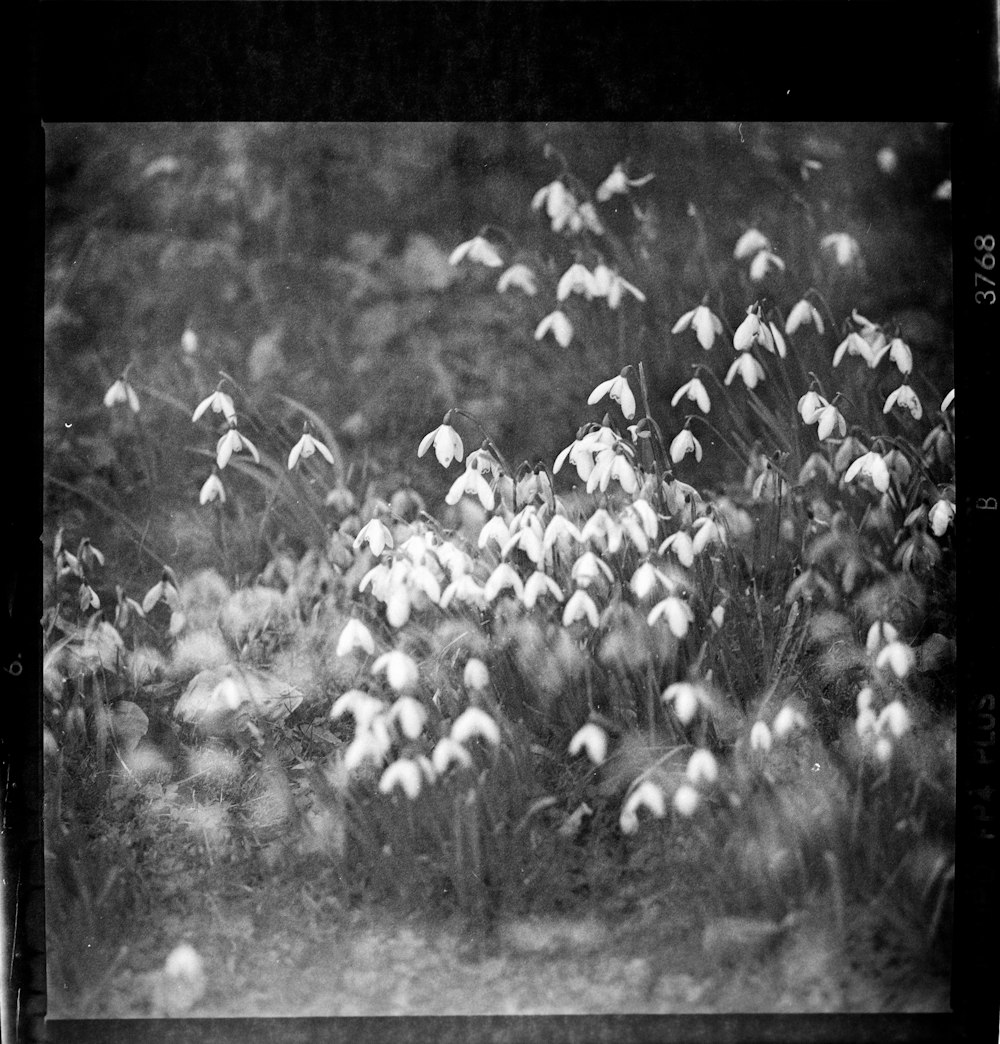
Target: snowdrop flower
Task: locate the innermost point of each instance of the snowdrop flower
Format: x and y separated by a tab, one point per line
212	490
631	525
787	720
580	605
895	718
364	709
537	585
559	203
898	657
646	578
872	465
753	330
618	389
89	555
865	723
760	737
940	516
948	401
465	589
779	341
751	372
702	767
864	699
681	545
686	800
588	567
476	675
611	285
677	612
189	342
751	242
577	279
708	532
887	160
880	633
560	531
585	216
695	391
844	248
685	698
618	183
519	276
883	748
447	753
870	332
646	795
816	466
484	462
593	739
718	615
305	448
233	442
584	448
602	527
404	774
125	609
808	167
503	577
371	744
641	508
121	392
830	420
906	397
804	312
473	483
899	352
88	598
447	444
762	263
494	531
181	983
355	636
376	534
854	344
475	723
400	670
609	465
943	191
559	325
769	485
848	452
476	249
705	323
411	716
810	406
165	590
218	402
529	540
684	443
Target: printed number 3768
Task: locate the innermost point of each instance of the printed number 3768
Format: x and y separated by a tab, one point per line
987	262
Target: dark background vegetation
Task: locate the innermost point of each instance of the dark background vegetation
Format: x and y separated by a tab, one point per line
311	260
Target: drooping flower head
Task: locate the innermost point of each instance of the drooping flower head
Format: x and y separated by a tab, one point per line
705	323
619	390
306	447
476	249
446	441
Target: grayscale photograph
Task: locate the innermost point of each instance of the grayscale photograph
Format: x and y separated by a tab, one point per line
498	569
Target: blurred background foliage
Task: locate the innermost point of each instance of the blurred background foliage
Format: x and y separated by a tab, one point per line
310	261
